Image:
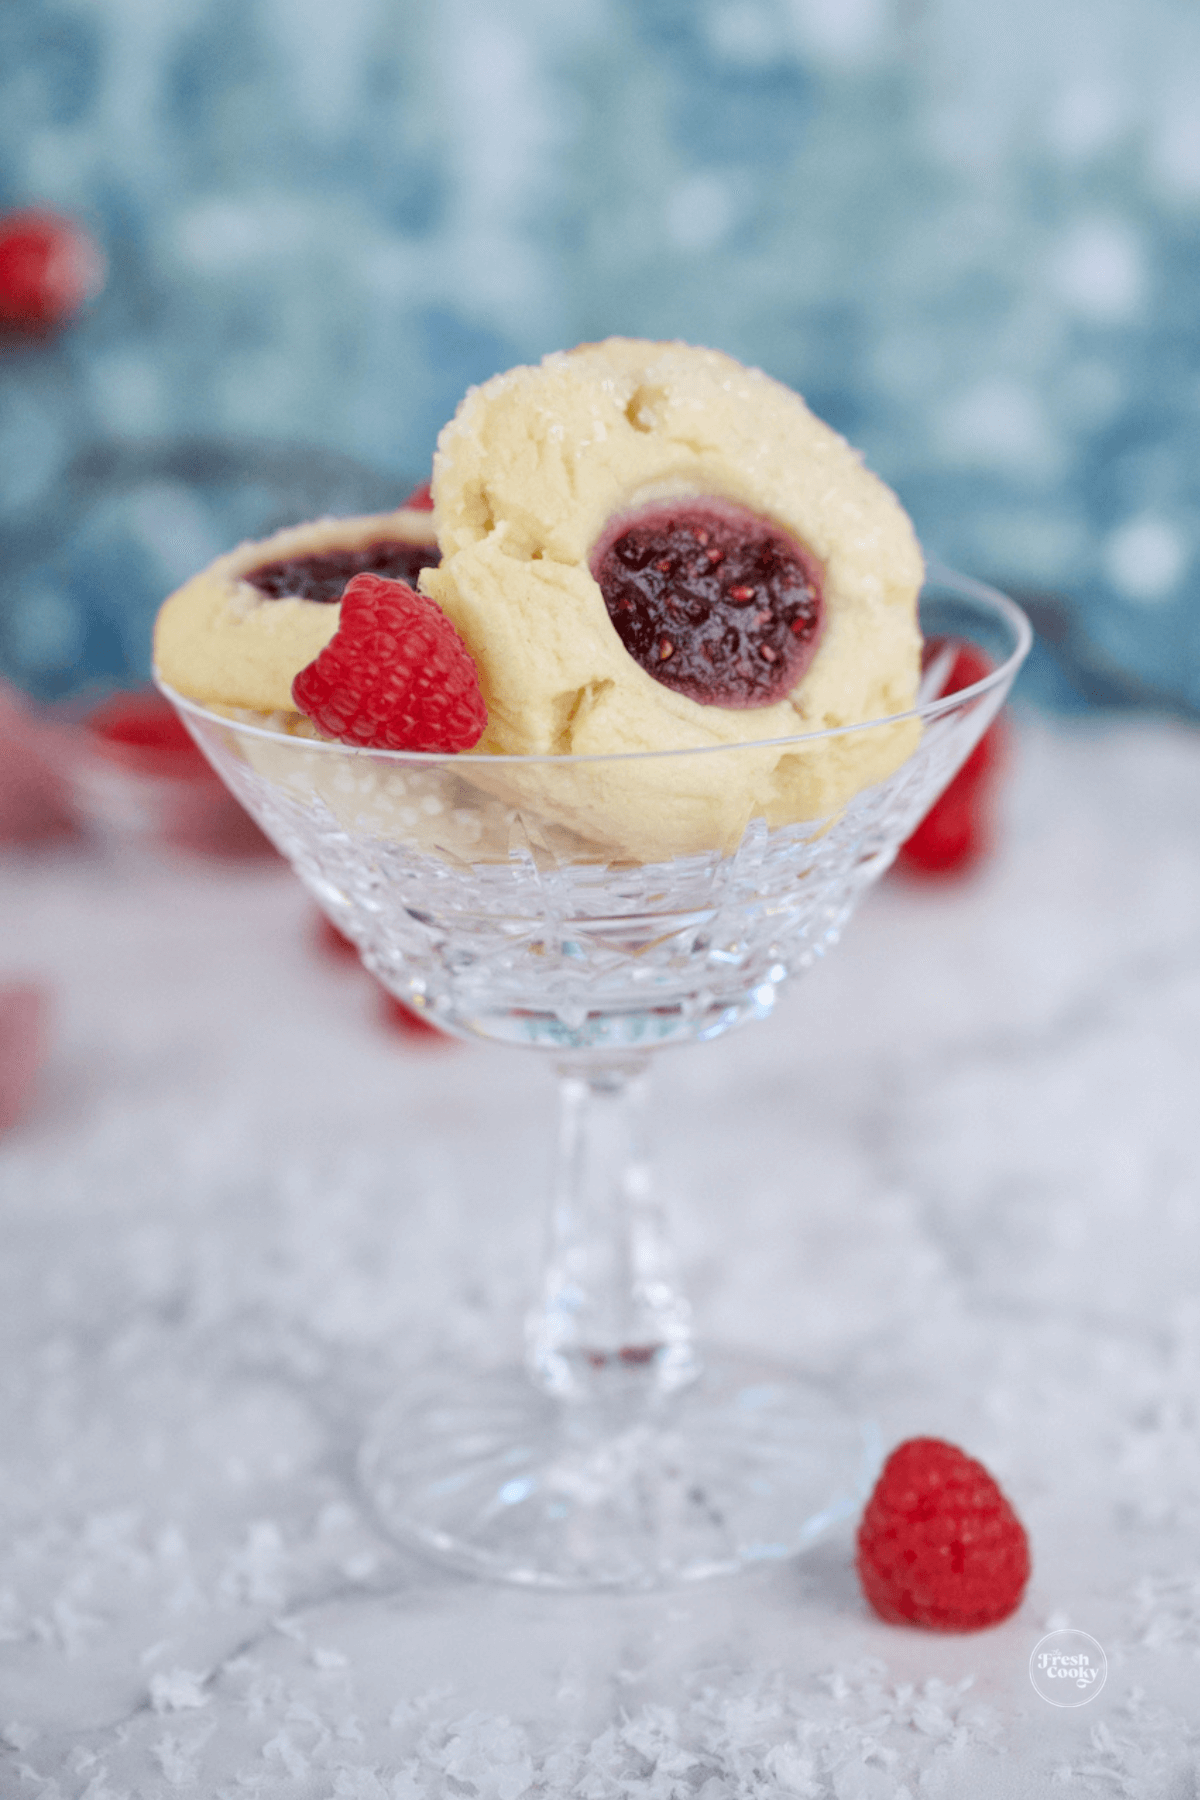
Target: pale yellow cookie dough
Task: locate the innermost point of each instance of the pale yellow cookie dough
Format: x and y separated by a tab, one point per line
220	641
527	475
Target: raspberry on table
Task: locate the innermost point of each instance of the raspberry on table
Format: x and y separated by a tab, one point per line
938	1543
394	676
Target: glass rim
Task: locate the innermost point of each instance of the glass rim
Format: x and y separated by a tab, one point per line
937	575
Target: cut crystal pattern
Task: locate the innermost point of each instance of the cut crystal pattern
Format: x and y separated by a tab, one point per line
553	947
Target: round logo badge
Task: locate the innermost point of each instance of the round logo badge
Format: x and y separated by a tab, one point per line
1068	1668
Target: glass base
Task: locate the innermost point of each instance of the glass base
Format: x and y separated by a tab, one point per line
749	1464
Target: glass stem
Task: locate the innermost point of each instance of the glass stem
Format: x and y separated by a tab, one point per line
612	1318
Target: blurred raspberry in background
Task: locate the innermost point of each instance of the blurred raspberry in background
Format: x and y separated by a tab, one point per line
958	831
393	1013
49	268
124	771
137	776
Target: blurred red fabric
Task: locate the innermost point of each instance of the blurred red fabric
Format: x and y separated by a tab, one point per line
35	800
24	1041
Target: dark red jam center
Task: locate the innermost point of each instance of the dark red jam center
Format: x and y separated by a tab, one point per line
713	601
324	576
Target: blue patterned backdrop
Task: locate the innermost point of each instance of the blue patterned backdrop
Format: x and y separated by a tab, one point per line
968	234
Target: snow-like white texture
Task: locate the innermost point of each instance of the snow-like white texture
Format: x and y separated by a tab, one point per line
1146	557
1098	269
843	33
956	1171
177	1690
1002	425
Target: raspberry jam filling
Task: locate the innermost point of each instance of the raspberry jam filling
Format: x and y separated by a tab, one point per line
323	576
712	601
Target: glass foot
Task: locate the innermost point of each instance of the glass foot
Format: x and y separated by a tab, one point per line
486	1472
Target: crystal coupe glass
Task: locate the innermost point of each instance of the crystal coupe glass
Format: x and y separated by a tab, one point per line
492	894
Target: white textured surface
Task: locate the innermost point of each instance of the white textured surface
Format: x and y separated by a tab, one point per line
958	1169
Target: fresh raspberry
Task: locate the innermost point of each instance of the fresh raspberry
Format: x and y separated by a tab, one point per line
394	676
421	499
938	1544
956	833
49	267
